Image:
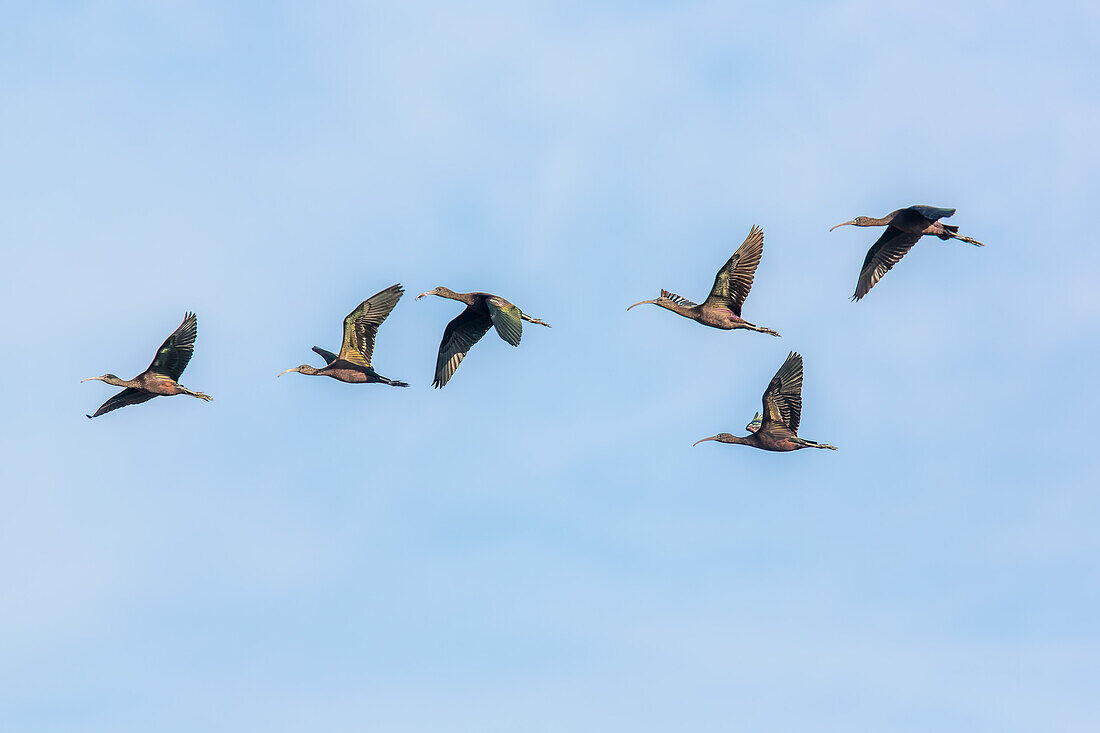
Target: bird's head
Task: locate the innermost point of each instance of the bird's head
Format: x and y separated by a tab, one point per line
665	300
721	438
859	221
108	378
754	424
301	369
441	291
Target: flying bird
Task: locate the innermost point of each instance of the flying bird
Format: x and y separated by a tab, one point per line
353	364
483	311
777	428
161	378
903	228
722	308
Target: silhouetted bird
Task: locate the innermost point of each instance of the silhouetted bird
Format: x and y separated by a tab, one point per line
159	380
483	310
903	228
777	428
353	365
722	308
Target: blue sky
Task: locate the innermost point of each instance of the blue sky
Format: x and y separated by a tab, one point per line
538	546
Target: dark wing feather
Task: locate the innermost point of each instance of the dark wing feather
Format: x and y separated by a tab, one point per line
464	331
125	398
933	213
734	281
327	355
506	318
681	300
174	354
884	254
783	397
361	325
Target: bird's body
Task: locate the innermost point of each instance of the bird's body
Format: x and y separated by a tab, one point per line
353	363
776	429
722	308
160	379
904	228
483	311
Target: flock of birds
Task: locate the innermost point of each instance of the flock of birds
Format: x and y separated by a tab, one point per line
773	429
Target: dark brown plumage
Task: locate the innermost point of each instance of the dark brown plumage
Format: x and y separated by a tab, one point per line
353	364
903	228
777	428
483	311
160	379
722	308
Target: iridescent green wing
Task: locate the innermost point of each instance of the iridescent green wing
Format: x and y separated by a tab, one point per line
327	355
734	281
174	354
125	398
464	331
361	325
783	397
754	424
506	318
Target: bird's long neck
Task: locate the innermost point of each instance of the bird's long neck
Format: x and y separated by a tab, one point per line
467	298
870	221
678	308
741	440
116	382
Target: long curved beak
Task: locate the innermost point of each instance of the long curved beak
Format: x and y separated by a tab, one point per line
294	369
703	440
91	379
643	303
426	292
843	225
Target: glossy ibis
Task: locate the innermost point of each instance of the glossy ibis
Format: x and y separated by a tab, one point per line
160	379
903	228
722	308
777	428
483	310
353	365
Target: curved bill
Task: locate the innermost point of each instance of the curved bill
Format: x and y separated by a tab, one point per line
292	369
90	379
703	440
643	302
842	225
426	292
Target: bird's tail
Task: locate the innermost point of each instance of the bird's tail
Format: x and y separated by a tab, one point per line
529	319
386	380
200	395
813	444
953	232
761	329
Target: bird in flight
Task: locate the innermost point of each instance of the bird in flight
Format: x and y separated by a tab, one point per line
161	378
722	308
776	429
483	311
903	228
353	364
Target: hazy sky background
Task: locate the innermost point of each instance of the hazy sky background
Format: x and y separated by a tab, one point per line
538	546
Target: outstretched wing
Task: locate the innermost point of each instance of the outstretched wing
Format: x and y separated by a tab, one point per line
506	318
175	352
884	254
464	331
783	397
327	355
361	325
933	213
126	397
734	281
681	300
